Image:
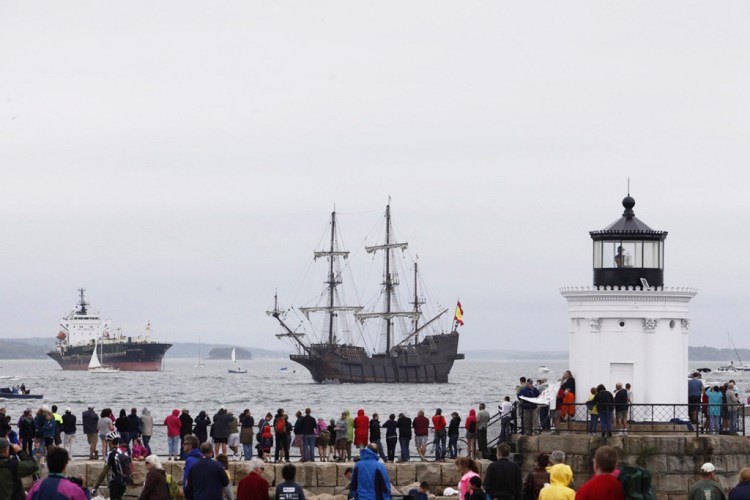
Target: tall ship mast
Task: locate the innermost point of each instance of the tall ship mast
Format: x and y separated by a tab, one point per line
338	358
82	330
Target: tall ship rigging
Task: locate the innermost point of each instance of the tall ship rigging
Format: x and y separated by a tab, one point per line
407	355
83	331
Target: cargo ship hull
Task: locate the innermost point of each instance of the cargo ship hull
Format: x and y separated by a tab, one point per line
126	356
429	361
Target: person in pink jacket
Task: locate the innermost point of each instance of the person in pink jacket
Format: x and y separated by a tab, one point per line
173	424
468	469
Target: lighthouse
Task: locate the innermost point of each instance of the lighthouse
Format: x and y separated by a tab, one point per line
628	327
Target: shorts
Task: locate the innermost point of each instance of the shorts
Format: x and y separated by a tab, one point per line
420	440
621	414
92	438
220	440
341	444
234	439
470	435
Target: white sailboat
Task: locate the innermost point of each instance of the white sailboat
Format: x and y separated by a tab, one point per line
95	366
236	368
200	363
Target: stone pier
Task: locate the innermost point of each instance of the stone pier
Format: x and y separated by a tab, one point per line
673	460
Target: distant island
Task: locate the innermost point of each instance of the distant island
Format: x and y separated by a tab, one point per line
36	348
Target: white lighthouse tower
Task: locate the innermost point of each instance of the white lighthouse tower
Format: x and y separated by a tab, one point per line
629	327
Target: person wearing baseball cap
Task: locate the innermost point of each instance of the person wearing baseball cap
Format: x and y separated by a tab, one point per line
27	466
707	487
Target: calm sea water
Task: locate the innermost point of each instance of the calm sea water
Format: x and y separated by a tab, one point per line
265	388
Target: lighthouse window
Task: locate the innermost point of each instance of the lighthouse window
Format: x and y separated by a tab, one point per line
652	254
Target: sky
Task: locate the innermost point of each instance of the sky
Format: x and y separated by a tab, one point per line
180	160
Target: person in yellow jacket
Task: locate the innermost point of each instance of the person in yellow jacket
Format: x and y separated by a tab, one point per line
559	478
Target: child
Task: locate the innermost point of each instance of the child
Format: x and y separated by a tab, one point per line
475	489
139	452
224	461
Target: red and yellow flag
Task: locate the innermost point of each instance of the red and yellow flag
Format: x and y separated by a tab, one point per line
459	316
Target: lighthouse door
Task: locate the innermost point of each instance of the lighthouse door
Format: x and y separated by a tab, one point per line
620	372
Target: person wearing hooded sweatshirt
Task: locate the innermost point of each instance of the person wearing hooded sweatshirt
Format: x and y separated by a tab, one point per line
147	428
220	431
370	479
559	477
361	429
349	434
173	433
202	421
192	454
471	433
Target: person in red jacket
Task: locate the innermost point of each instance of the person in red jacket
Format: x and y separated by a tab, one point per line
421	426
604	484
173	424
441	434
361	429
253	486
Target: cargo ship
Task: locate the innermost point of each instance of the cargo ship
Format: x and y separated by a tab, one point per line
82	331
408	351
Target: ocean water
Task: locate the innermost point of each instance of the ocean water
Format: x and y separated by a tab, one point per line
263	389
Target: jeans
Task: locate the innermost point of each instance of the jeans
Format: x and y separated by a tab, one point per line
380	449
453	446
715	422
593	422
440	444
606	418
247	451
544	417
404	442
505	429
146	440
732	419
174	445
390	443
308	447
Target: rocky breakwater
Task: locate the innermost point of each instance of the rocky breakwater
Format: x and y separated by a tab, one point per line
674	461
321	480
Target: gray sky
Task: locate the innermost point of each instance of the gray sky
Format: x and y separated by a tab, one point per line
180	159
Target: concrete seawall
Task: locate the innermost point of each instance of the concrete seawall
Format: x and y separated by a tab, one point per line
673	460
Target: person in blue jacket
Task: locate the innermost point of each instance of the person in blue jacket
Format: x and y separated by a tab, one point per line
370	479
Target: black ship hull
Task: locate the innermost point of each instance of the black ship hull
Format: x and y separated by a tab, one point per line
429	361
126	356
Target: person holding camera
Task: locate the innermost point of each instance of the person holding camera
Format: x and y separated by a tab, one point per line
56	485
14	464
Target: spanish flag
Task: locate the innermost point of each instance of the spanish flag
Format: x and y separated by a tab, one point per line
459	316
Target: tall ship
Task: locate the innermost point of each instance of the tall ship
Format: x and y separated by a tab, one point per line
407	350
84	334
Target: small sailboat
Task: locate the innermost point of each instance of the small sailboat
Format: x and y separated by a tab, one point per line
236	368
200	363
95	366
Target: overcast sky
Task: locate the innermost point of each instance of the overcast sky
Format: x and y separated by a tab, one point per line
180	159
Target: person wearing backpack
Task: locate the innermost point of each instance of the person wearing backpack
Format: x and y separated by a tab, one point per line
282	436
55	485
636	483
14	464
156	487
118	469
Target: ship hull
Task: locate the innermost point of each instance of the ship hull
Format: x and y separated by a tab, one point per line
430	361
126	356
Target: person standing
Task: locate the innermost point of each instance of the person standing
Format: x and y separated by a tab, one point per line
483	420
527	408
441	432
173	433
695	392
404	436
391	436
604	484
471	433
453	432
234	434
10	481
604	402
503	477
621	408
117	469
191	447
206	478
361	429
253	486
186	428
370	479
220	431
26	431
122	426
56	485
707	488
733	401
68	430
421	431
288	489
375	435
89	418
282	439
247	422
506	415
307	428
341	429
202	421
147	428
